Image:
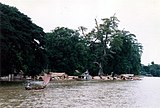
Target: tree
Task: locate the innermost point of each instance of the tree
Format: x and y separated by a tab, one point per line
116	50
151	70
67	51
154	69
100	38
22	43
127	58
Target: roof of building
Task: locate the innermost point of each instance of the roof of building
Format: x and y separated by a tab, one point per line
58	74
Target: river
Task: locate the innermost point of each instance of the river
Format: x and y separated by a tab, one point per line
144	93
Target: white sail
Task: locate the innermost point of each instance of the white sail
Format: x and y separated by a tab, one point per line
46	78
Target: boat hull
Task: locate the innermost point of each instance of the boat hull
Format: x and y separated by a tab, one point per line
35	85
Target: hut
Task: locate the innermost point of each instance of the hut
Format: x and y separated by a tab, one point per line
59	75
127	76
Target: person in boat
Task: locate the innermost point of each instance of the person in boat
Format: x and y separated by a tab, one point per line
38	84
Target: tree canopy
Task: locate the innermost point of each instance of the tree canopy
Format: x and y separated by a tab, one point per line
151	70
66	50
103	50
115	50
22	42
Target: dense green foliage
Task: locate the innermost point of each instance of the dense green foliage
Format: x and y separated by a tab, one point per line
24	46
116	50
151	70
22	43
66	50
127	58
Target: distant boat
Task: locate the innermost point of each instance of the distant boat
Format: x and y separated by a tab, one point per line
84	77
36	85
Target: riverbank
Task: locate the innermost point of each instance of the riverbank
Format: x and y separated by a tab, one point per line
19	81
108	78
76	78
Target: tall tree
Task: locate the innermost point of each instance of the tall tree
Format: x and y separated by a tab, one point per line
127	58
22	43
116	50
67	51
100	39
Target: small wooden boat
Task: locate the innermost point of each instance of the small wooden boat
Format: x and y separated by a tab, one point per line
36	85
84	77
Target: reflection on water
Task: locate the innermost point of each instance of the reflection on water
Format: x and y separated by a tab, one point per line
85	94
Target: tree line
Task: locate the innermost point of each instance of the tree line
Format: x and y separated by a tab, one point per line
25	46
151	70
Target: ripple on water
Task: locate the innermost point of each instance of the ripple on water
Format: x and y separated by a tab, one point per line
85	94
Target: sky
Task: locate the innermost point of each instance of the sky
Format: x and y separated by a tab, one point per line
140	17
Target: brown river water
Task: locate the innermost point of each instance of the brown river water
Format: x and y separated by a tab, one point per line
144	93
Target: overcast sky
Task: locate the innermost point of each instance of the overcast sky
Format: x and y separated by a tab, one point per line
140	17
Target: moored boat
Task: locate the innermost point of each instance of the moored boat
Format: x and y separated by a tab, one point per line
84	77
